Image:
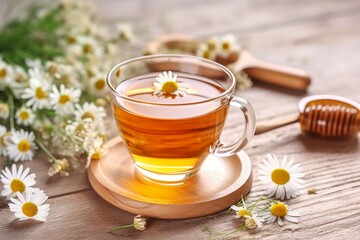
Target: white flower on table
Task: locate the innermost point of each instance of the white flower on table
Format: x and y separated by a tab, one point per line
97	84
96	150
4	111
204	51
16	180
6	73
281	180
90	110
21	146
126	32
30	205
63	100
167	84
24	116
38	91
227	45
280	211
3	136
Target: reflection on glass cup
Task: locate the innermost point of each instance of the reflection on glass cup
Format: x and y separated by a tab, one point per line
169	136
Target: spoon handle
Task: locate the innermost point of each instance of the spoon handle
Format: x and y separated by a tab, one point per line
277	75
268	125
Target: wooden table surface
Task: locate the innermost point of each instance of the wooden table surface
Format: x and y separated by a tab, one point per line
322	37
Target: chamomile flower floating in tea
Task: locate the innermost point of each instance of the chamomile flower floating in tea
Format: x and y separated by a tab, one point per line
280	211
24	116
16	181
281	180
63	101
166	84
30	205
21	146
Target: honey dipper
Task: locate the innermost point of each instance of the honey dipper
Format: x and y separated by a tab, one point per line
324	115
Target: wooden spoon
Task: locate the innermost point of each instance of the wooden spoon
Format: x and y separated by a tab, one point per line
273	74
324	115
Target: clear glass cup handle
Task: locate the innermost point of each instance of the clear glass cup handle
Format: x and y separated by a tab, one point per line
222	150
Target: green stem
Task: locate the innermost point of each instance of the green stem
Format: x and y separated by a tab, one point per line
12	107
121	227
45	150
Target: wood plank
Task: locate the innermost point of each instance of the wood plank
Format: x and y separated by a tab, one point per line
310	48
324	214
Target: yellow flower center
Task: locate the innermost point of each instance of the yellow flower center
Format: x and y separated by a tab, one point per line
243	213
280	176
279	209
64	99
29	209
17	185
24	115
24	146
88	115
100	84
87	48
169	87
71	40
211	45
40	94
3	73
225	46
206	54
95	156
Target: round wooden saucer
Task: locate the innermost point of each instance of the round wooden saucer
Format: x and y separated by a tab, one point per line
220	183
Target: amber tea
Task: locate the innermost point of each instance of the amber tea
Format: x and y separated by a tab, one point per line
170	139
170	128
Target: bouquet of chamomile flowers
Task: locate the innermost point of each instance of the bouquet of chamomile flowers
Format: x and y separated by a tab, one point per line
53	67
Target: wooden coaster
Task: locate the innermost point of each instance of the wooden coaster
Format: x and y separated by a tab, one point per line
219	184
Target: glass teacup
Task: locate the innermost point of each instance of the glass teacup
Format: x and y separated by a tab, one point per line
170	130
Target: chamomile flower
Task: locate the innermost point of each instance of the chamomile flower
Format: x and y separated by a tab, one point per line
37	92
6	73
205	52
16	180
60	166
63	100
280	211
281	180
139	223
21	146
3	135
4	111
29	205
166	84
97	86
90	110
227	45
125	32
96	151
253	221
24	116
241	212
